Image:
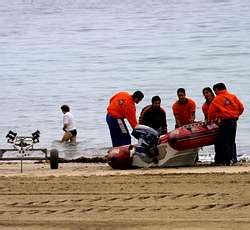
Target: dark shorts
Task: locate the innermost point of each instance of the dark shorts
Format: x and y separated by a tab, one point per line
73	132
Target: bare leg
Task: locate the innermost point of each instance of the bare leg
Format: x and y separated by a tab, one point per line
73	139
66	137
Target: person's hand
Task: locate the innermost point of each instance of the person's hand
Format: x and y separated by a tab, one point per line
191	121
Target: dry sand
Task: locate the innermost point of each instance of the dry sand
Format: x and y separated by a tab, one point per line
93	196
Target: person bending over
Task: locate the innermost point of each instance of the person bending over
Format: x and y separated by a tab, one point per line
69	128
122	106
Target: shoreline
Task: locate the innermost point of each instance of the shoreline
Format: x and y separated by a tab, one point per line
95	196
42	169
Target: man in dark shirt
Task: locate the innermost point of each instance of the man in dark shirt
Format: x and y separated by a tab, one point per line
154	116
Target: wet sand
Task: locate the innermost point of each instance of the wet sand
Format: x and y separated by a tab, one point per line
94	196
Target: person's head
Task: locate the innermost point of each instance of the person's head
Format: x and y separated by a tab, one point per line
181	93
208	94
218	87
137	96
156	101
65	108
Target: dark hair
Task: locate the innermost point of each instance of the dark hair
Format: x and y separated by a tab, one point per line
65	108
208	89
155	98
181	90
138	94
219	86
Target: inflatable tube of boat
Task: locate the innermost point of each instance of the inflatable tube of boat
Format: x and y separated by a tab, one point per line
119	157
188	137
193	136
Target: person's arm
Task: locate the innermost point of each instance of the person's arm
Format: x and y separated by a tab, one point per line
212	112
141	117
205	110
177	120
65	127
192	110
192	117
66	136
176	116
65	123
164	128
131	115
240	106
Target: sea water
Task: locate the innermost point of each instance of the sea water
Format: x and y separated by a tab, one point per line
76	52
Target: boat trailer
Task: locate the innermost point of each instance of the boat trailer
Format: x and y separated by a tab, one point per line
24	145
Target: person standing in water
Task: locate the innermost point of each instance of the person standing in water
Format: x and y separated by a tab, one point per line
69	128
209	96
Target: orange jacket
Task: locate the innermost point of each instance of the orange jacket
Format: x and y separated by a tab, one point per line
183	112
225	106
122	105
205	108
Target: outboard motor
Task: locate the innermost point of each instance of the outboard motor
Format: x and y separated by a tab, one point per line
148	138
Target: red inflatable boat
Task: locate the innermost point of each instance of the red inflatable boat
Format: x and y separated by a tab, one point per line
193	136
177	148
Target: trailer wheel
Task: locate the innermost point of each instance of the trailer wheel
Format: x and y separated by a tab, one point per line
54	159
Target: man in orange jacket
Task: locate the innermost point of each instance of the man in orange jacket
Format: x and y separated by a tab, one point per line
122	106
183	109
225	109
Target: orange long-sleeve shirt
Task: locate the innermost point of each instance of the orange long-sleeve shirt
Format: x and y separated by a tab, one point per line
183	111
122	105
225	106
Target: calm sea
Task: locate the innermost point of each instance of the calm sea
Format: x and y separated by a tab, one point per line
80	52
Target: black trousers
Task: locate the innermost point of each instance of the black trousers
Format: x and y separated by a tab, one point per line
225	147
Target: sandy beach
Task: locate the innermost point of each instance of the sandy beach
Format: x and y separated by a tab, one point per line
94	196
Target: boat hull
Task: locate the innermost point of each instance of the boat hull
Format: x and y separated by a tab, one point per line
179	147
119	157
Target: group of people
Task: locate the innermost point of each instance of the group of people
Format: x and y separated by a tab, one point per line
221	107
